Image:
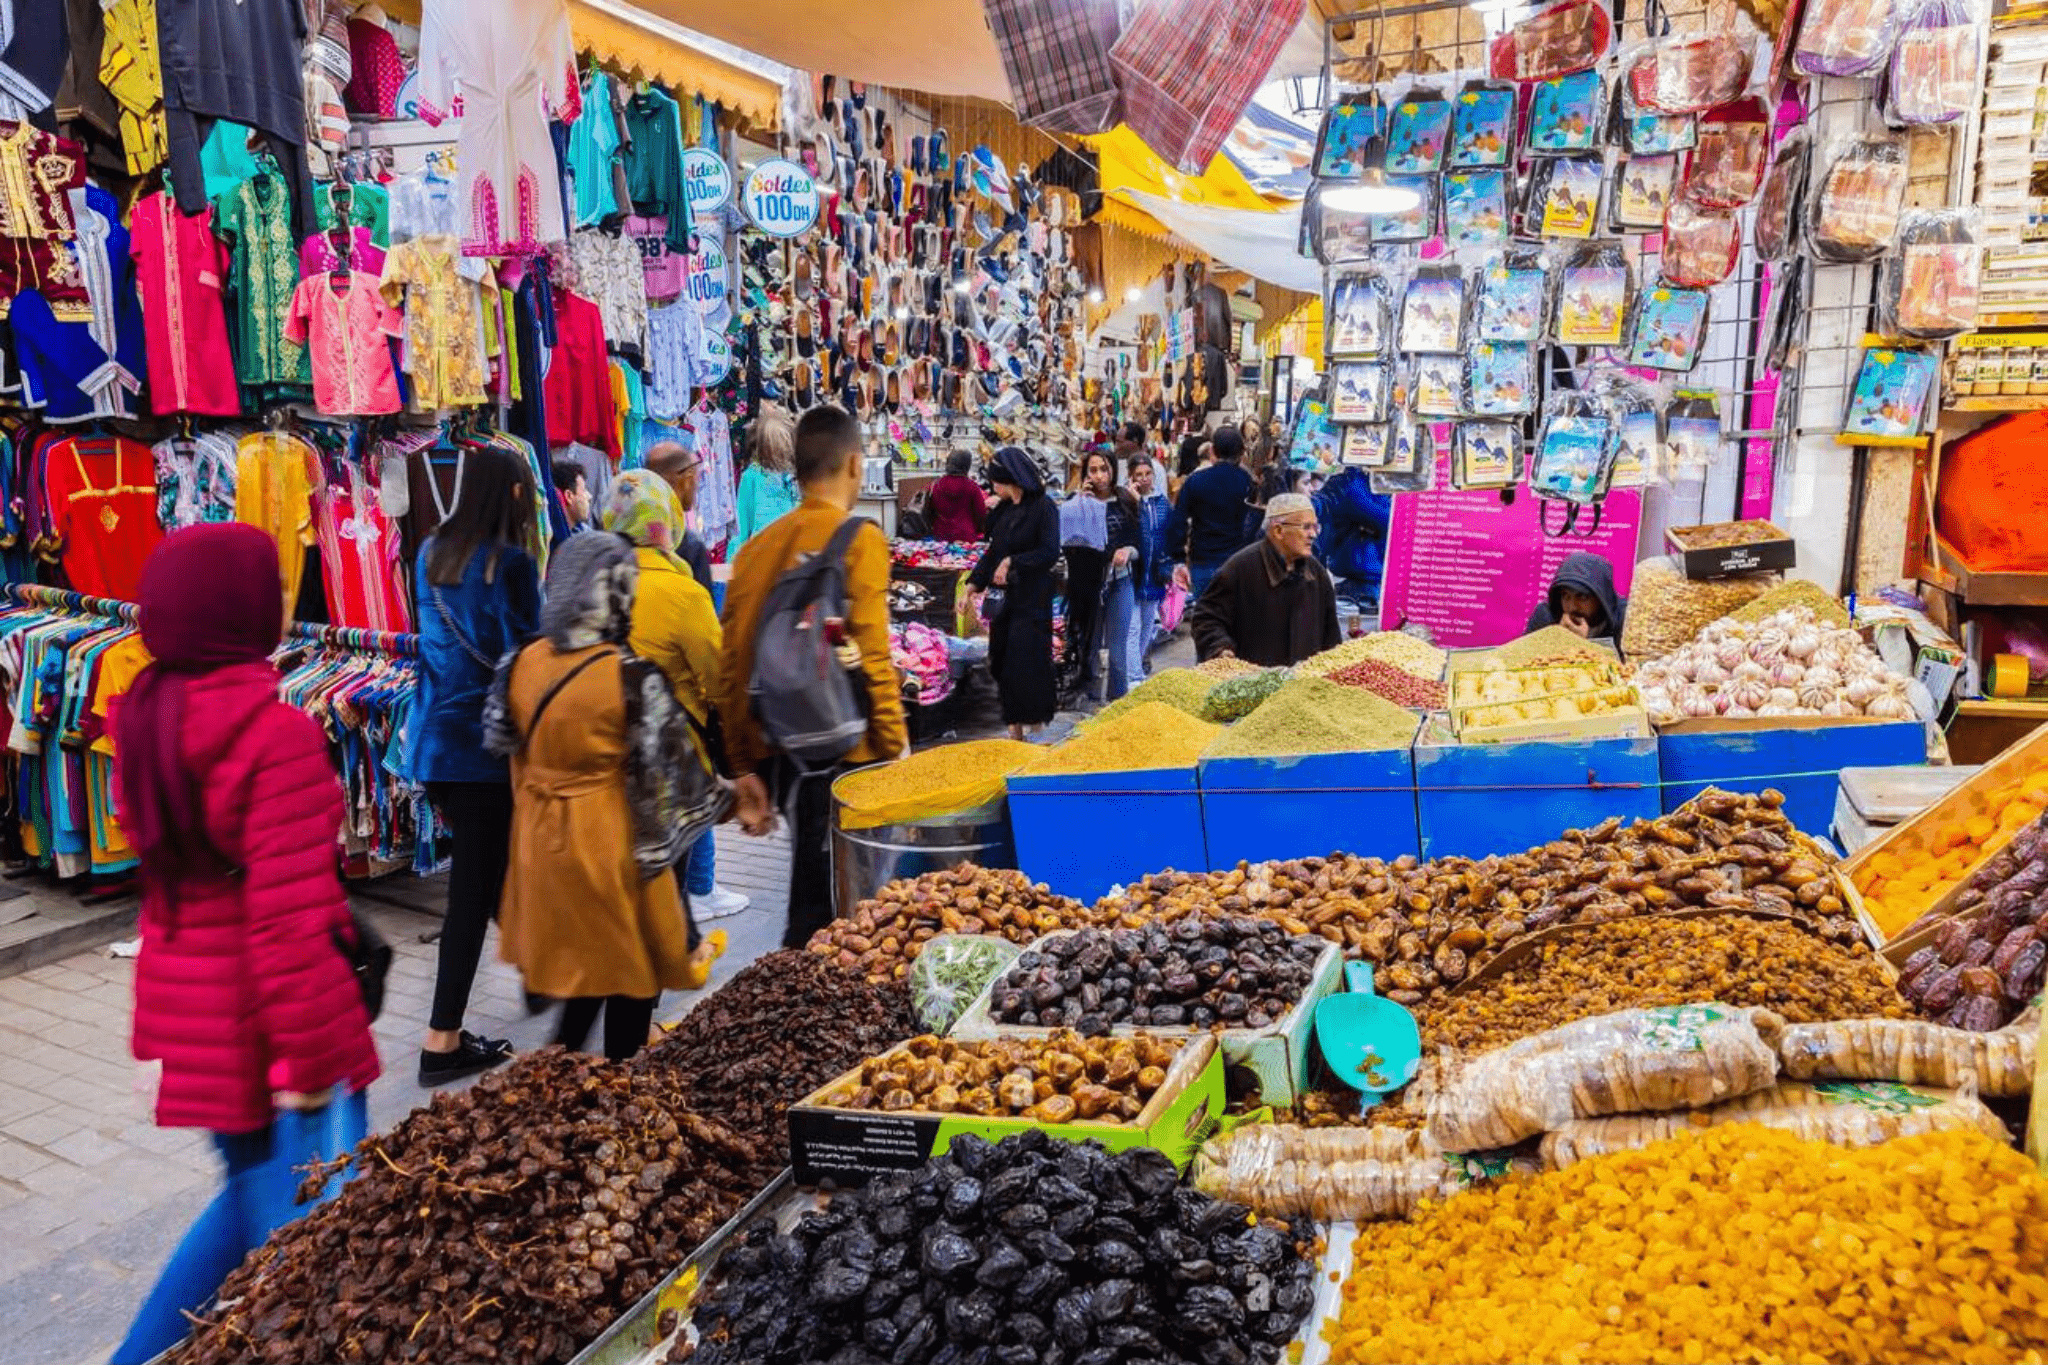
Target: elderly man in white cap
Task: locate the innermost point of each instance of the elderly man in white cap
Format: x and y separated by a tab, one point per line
1271	603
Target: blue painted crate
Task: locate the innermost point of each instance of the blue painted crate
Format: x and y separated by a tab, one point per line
1476	799
1309	805
1803	759
1083	833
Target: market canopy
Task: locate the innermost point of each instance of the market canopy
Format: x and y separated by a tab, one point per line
1263	243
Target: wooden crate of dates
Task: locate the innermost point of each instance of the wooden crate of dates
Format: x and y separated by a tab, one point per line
893	1112
1275	1049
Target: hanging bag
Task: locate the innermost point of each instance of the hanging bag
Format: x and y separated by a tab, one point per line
1567	37
1189	68
1056	55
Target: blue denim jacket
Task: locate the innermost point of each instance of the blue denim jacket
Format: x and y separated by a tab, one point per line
1155	561
445	741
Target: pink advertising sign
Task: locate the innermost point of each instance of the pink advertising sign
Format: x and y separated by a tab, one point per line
1472	568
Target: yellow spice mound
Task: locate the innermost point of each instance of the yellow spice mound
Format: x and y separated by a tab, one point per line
1740	1243
934	781
1150	735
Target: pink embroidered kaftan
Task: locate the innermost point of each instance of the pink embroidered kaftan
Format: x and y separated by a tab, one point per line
181	269
344	326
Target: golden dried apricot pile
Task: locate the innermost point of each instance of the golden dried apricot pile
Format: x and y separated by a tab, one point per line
1739	1243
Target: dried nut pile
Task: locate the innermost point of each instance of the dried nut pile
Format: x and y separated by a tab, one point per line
1666	609
782	1027
1050	1080
1235	698
1736	959
1023	1252
510	1222
1901	881
1793	592
1722	534
1221	973
1222	670
1395	648
1428	925
1395	684
1982	969
1738	1243
1789	664
883	935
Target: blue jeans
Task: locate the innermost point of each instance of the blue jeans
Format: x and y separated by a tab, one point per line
1198	579
1123	630
700	868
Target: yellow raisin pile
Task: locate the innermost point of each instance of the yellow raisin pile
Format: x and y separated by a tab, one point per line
1739	1243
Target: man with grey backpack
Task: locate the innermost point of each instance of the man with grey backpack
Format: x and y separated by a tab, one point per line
808	689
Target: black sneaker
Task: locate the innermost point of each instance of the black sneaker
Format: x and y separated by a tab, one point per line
474	1055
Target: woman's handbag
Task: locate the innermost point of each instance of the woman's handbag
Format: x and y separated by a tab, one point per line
368	955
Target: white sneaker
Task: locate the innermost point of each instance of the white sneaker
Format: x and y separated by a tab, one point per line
718	903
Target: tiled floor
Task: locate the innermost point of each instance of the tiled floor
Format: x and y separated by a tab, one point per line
93	1195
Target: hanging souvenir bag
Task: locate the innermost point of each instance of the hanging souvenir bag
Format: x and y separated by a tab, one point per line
1334	236
1418	130
1690	75
1366	445
1640	132
1575	452
1433	311
1931	280
1056	56
1593	289
1359	316
1784	193
1500	379
1564	114
1409	225
1644	189
1933	73
1562	201
1436	386
1566	37
1482	126
1189	68
1855	205
1410	466
1476	209
1671	327
1845	37
1728	161
1350	141
1700	245
1487	455
1514	298
1638	432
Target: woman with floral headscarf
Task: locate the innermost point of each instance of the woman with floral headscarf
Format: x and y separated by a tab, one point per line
601	808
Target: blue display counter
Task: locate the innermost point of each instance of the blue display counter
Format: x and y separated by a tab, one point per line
1083	833
1477	799
1803	759
1254	809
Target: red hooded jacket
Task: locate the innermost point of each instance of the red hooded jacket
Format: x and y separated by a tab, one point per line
240	989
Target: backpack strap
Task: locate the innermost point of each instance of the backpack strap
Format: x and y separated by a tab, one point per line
842	539
533	721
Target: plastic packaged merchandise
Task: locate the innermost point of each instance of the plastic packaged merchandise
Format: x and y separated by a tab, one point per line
1845	1113
934	781
1318	716
1735	1243
1855	205
1148	737
1700	246
1845	37
1778	204
1326	1173
1687	75
1935	64
952	970
1931	280
1734	148
1632	1061
1914	1052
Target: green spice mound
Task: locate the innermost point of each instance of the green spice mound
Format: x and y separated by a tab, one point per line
1181	688
1236	698
1150	736
1316	716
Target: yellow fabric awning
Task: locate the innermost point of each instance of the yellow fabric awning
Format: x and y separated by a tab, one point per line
1127	163
673	64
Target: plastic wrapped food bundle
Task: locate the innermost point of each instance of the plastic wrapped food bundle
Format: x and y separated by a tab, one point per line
951	971
1845	37
1681	1057
1022	1251
1855	205
1326	1173
1700	246
1728	164
1737	1243
1846	1113
1914	1052
1935	65
1931	281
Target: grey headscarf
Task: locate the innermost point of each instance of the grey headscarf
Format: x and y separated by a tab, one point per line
592	579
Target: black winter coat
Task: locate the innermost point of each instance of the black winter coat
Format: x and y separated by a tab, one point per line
1266	613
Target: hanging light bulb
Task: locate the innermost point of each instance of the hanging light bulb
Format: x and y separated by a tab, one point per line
1371	193
1132	294
1095	294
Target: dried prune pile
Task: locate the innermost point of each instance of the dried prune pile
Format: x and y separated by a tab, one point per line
1025	1252
509	1223
1986	963
778	1030
1222	973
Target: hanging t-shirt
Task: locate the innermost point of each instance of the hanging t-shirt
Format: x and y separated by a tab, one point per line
654	163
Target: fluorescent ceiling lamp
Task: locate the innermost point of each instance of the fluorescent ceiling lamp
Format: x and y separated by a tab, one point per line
1371	195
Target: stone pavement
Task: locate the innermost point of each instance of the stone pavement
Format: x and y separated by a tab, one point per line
93	1196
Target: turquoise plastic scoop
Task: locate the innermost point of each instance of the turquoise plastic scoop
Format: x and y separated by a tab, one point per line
1370	1042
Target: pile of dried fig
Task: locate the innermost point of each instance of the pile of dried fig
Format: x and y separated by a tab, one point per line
1202	973
883	936
1051	1080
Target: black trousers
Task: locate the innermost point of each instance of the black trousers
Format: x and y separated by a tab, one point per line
806	803
626	1021
479	815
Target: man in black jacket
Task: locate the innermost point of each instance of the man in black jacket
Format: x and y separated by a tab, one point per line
1272	604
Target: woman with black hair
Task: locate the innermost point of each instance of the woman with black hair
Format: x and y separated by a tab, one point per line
479	599
1023	545
1119	616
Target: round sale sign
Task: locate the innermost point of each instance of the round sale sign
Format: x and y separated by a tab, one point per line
705	274
780	198
707	180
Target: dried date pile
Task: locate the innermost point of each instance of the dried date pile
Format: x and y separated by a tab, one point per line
1017	1253
1200	973
1986	963
1429	925
778	1030
1052	1080
1735	959
884	935
509	1223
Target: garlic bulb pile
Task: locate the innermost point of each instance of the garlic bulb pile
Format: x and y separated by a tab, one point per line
1791	663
